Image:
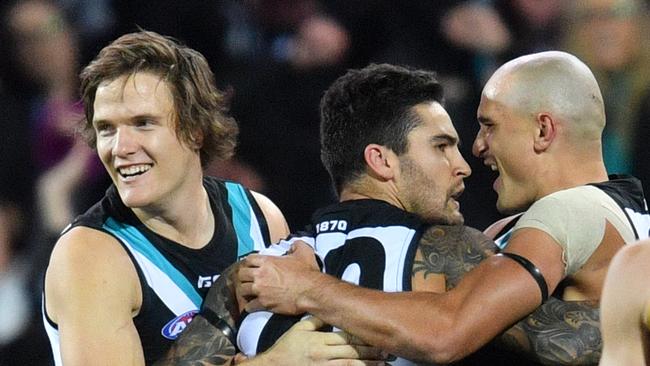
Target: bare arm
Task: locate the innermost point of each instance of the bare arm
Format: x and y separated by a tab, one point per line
415	325
278	228
624	307
558	332
201	343
451	251
92	293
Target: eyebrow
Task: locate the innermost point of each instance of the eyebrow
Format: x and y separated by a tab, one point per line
131	119
451	140
483	119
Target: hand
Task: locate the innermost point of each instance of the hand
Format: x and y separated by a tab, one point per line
476	27
276	283
303	345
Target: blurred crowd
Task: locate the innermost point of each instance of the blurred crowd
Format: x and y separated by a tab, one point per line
275	58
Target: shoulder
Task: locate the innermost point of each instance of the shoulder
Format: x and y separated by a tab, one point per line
567	207
497	228
88	263
278	227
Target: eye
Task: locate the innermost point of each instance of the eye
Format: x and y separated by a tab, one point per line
442	147
104	129
144	122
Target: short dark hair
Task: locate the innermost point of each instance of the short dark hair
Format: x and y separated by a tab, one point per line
201	113
371	105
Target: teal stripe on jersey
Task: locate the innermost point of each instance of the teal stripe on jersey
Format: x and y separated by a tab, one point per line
241	217
139	242
502	241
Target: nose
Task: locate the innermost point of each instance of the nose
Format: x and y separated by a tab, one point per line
124	143
462	168
479	147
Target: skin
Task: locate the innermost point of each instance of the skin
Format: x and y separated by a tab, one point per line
541	138
626	309
426	180
90	278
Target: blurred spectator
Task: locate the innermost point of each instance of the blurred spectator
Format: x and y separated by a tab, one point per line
612	37
276	100
47	52
22	340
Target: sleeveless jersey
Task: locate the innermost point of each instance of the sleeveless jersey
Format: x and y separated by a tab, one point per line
626	191
366	242
175	279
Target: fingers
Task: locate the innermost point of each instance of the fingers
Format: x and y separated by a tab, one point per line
254	305
311	323
358	363
353	352
253	260
245	290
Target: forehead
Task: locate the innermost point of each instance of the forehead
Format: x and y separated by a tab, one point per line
435	120
497	97
132	94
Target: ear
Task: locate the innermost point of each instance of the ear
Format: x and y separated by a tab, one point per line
380	161
545	132
196	139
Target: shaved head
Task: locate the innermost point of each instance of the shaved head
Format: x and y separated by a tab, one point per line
551	82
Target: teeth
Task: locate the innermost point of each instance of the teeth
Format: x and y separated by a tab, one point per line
493	167
134	170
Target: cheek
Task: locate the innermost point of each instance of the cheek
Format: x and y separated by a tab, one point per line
103	148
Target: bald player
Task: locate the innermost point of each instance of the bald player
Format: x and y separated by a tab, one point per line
541	118
626	308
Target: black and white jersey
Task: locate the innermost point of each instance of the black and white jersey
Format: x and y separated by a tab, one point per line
365	242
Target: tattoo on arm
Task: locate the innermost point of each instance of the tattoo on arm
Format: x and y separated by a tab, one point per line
201	343
452	250
558	333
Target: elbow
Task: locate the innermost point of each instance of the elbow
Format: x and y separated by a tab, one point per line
443	351
433	345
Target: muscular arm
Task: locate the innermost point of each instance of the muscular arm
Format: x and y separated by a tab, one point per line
201	343
451	251
92	293
415	325
558	332
624	308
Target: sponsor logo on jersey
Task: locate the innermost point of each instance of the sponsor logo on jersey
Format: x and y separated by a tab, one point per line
176	326
206	281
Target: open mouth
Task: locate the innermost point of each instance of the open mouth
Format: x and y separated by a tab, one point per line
134	170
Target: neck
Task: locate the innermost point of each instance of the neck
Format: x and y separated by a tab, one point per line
185	218
573	173
367	191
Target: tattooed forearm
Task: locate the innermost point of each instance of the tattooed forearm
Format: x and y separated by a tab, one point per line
452	251
558	333
201	343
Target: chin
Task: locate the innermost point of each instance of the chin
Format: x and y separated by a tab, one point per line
133	201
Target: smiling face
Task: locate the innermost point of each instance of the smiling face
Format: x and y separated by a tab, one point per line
432	169
504	142
134	122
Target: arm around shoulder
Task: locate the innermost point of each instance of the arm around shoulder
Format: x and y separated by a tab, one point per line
92	292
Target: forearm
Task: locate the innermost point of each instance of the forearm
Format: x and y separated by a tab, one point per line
424	326
375	317
203	342
558	333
